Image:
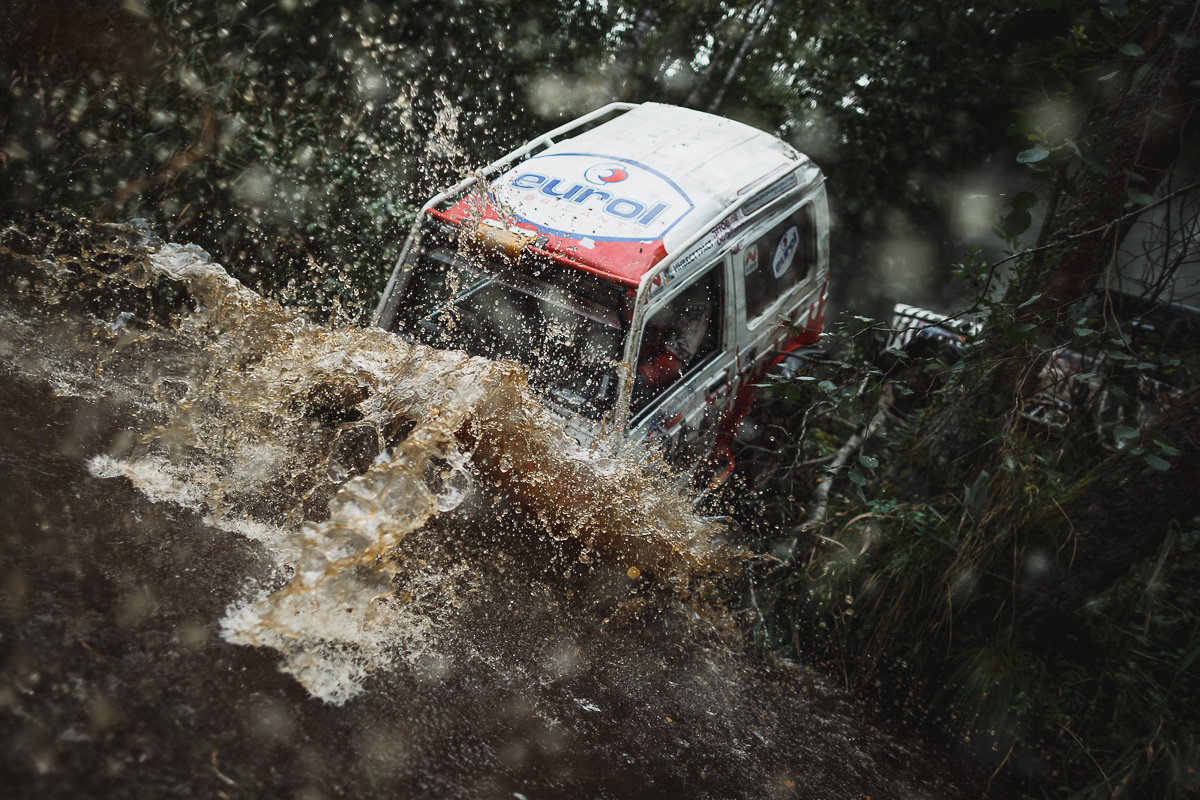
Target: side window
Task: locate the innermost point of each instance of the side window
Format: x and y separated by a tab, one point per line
679	337
778	260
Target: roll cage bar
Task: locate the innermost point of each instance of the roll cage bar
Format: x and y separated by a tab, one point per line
385	312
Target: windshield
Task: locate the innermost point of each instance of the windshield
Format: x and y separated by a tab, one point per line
569	339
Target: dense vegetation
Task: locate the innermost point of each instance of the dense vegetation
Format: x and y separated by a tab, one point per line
296	137
1029	576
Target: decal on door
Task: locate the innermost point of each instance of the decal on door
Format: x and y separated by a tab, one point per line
785	251
751	259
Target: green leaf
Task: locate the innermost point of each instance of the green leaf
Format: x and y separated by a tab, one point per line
1023	327
1017	222
1123	433
1109	76
975	496
1166	449
1084	331
1032	155
870	462
1139	197
1132	50
1141	74
828	387
1156	463
856	477
1031	300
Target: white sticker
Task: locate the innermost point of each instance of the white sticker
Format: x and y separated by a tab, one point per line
579	195
785	251
751	259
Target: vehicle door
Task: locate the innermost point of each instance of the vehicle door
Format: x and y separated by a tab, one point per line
684	366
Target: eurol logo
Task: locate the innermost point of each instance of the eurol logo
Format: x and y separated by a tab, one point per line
606	174
579	195
785	251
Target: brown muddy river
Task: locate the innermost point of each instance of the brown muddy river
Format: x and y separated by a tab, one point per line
248	556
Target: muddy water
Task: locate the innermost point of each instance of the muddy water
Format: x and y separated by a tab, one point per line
244	555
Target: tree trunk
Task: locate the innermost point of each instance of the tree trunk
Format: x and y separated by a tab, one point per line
626	62
747	44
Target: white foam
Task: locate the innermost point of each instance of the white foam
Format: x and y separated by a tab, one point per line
159	481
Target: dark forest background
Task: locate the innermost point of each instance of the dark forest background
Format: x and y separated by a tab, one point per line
1003	538
297	137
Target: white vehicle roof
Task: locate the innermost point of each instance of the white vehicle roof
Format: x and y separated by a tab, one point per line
712	159
635	191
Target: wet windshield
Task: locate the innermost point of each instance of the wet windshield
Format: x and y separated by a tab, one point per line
566	330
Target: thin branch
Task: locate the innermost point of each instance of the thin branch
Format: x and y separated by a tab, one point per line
1087	752
1067	239
821	495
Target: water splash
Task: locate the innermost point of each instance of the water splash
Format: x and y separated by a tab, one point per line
329	446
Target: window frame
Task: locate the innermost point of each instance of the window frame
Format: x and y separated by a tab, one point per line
809	248
720	266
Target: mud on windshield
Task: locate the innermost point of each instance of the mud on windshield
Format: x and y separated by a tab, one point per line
567	328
